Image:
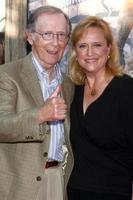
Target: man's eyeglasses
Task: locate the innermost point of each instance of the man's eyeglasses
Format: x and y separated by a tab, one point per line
50	35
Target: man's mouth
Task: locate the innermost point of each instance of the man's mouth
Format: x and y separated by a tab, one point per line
52	52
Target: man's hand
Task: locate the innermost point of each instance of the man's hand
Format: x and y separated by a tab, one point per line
54	108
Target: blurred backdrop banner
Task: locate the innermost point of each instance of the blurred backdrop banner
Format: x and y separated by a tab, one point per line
119	14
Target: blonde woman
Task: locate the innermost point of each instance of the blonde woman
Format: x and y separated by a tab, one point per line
101	116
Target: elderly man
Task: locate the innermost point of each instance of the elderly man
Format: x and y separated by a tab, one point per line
34	102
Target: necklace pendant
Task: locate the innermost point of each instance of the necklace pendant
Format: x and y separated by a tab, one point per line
93	92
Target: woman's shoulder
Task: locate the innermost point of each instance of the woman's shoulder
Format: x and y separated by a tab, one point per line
125	80
125	85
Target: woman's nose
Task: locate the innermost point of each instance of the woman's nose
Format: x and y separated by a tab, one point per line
89	50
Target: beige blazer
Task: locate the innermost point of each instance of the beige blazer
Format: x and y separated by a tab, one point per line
23	143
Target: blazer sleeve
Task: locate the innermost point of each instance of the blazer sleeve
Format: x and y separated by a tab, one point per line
18	123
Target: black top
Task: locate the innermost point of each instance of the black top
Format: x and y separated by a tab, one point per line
102	139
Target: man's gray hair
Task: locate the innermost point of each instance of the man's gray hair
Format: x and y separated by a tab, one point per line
46	9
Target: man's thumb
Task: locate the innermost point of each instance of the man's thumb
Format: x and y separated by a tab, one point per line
56	92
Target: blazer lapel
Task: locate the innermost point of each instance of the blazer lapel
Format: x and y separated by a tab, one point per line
30	80
67	93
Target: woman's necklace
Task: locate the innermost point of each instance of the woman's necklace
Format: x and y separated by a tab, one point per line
92	91
95	91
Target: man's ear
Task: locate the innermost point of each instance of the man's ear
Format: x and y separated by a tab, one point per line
29	37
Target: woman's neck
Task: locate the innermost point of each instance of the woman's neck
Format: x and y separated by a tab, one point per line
96	84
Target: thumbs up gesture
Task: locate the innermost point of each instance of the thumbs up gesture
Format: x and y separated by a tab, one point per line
54	108
57	91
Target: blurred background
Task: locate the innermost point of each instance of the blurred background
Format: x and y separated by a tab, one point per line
14	14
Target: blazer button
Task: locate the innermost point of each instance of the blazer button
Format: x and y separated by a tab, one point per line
38	178
45	154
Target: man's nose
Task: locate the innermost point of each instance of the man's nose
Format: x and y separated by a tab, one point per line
55	39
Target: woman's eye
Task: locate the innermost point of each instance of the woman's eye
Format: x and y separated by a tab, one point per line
97	45
82	46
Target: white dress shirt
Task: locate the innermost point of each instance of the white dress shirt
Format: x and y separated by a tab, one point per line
56	127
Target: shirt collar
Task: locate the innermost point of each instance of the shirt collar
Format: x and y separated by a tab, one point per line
41	71
37	65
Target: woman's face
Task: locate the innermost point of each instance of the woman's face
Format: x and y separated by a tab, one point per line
92	50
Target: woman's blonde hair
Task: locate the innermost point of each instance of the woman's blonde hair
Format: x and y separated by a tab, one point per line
76	72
